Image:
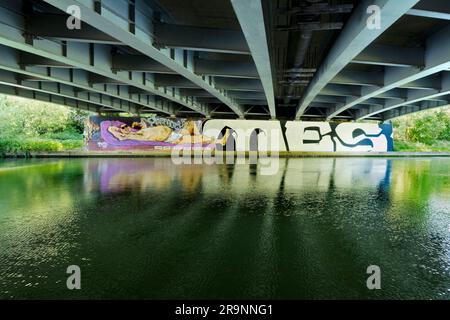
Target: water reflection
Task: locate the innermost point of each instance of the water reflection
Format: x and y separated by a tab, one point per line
294	175
144	228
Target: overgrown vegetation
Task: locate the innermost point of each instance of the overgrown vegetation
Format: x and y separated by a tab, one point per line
423	131
32	126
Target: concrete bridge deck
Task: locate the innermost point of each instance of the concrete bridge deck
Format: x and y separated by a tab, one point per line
356	60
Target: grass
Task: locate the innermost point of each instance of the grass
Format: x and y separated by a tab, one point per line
27	145
65	135
408	146
72	144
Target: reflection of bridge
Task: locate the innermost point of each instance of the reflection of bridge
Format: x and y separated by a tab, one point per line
228	59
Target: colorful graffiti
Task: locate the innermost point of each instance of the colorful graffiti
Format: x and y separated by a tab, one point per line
146	133
157	133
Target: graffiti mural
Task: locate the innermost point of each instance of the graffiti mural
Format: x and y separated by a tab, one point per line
247	135
157	133
154	133
325	136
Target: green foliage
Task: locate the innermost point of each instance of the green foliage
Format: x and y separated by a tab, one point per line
29	145
37	145
423	131
65	135
407	146
76	121
33	126
72	144
33	118
430	128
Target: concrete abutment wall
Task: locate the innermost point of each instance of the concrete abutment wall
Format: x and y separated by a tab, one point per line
158	133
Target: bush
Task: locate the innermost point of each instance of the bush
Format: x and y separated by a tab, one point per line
32	126
33	118
76	121
17	146
444	118
9	146
428	128
408	146
29	145
72	144
66	135
42	145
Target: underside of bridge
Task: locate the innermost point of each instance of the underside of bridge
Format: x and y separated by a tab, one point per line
248	59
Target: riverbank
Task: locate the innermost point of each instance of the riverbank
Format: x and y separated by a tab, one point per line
166	154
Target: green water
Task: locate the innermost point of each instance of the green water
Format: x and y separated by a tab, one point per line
146	228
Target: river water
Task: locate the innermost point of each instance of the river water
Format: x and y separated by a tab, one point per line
146	228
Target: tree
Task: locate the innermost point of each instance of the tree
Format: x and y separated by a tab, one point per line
424	127
22	117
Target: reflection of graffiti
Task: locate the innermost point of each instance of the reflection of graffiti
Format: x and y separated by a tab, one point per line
254	139
324	136
295	175
230	143
141	175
